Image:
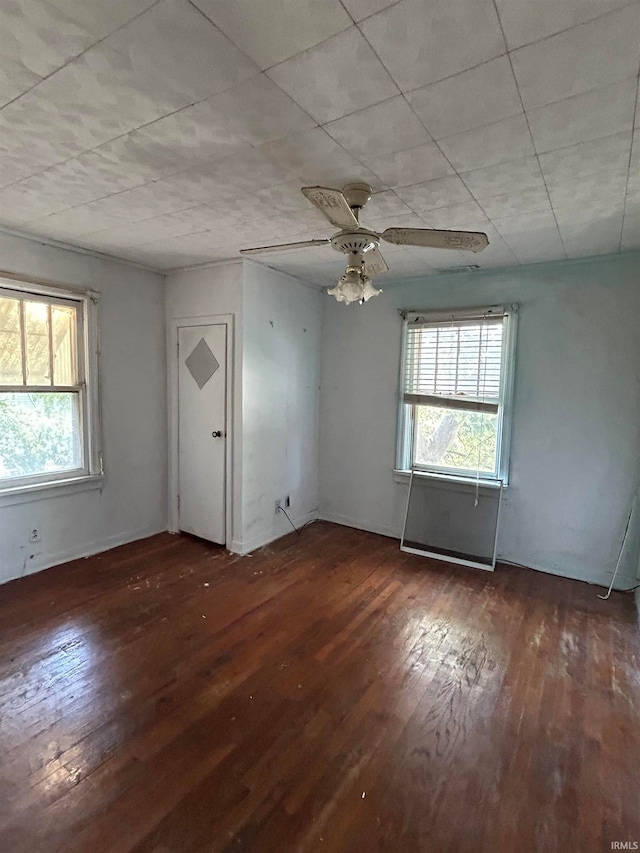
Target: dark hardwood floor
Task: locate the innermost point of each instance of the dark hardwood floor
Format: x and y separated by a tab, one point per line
327	693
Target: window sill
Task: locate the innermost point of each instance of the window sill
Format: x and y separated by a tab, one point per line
40	491
404	477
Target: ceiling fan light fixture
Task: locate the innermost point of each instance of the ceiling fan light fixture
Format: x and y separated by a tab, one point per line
353	286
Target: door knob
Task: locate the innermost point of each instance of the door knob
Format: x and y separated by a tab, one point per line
216	433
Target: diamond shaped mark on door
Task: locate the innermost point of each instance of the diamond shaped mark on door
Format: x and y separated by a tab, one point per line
202	363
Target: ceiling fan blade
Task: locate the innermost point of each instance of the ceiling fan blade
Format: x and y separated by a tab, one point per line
283	247
333	204
374	263
472	241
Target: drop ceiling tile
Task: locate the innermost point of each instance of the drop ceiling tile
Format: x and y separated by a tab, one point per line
631	230
544	245
608	156
456	216
516	203
384	205
637	121
193	135
473	98
524	22
421	45
322	80
381	129
283	198
394	220
177	44
525	224
361	9
595	238
593	190
317	159
202	217
598	113
490	145
257	111
586	57
135	234
97	97
142	202
512	177
77	221
633	186
140	157
272	32
414	165
36	40
433	194
98	17
593	216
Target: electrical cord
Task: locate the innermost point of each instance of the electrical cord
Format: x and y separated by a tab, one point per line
297	530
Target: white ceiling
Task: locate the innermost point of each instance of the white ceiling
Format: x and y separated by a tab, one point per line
173	133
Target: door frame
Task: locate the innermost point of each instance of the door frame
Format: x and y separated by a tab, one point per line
172	405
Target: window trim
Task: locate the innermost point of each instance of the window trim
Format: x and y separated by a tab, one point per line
405	427
88	389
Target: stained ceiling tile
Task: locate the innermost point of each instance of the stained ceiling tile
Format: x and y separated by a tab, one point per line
473	98
524	22
422	44
176	43
433	194
594	114
322	80
404	168
490	145
586	57
272	32
381	129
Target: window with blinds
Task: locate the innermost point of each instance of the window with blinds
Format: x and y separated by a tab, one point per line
45	414
454	389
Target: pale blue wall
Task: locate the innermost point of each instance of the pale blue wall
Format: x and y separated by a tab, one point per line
575	461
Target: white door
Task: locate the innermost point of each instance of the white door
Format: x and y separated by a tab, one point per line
202	377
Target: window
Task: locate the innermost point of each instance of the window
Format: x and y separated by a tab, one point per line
48	398
457	374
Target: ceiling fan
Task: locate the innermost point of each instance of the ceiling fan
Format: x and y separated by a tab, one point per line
361	246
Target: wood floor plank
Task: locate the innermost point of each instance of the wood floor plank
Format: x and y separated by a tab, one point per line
325	693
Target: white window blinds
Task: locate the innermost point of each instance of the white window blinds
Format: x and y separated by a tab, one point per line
455	363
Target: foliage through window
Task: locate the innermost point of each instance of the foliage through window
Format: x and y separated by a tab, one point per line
456	388
47	427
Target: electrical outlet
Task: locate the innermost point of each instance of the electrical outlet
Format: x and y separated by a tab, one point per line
278	505
34	534
287	501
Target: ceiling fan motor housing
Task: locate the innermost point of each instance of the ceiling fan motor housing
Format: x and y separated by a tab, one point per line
359	240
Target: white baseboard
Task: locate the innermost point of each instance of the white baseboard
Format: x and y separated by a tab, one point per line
369	527
623	581
246	546
47	561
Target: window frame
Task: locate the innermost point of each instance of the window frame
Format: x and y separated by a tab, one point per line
87	385
406	411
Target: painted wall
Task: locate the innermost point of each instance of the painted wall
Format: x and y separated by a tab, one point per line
132	501
280	373
275	393
575	462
